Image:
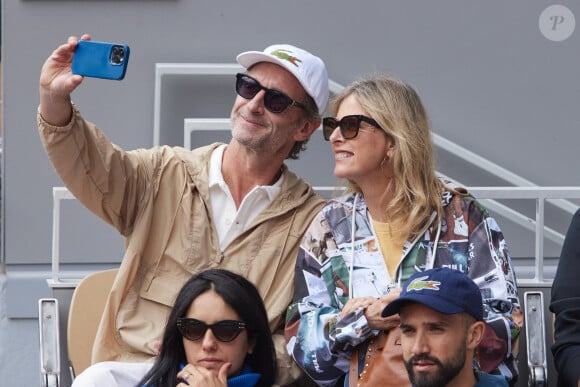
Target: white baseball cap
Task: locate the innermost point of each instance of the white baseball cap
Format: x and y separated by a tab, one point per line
307	68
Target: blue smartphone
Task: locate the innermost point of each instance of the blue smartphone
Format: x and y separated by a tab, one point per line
100	59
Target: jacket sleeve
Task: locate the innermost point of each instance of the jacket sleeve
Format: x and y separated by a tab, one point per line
317	339
565	304
107	180
491	268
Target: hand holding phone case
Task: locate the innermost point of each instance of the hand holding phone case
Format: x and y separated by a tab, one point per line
100	60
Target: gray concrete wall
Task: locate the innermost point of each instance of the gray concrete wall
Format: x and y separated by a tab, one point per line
490	79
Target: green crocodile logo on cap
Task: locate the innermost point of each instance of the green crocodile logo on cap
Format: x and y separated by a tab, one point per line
420	284
283	54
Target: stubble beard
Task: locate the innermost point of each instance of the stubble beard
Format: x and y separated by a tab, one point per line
243	137
270	140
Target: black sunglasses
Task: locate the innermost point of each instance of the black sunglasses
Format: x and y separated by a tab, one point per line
274	100
349	125
225	330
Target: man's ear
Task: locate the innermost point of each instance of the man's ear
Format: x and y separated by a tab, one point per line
475	334
308	127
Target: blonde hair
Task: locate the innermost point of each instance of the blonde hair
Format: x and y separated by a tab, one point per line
415	189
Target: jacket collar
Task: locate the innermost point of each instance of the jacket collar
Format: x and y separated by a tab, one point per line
294	191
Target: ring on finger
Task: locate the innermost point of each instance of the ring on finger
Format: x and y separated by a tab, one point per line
186	375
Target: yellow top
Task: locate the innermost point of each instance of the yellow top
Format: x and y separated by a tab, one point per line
391	241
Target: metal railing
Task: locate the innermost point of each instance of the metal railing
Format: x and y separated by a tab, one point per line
539	194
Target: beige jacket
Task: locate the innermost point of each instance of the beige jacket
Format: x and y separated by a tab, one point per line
158	199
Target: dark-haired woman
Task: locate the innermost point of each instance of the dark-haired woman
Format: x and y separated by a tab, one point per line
217	334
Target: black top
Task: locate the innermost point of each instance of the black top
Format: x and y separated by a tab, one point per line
566	305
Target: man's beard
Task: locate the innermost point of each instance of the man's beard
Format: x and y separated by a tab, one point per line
445	373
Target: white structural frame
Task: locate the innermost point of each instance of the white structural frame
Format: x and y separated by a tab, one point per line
539	194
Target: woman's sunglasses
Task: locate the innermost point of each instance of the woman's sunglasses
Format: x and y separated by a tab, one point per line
349	125
274	100
225	330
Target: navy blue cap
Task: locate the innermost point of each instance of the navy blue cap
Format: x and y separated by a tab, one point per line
444	290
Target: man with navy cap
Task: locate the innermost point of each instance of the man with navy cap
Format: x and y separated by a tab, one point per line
441	314
234	206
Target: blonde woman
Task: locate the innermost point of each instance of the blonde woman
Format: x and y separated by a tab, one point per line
396	218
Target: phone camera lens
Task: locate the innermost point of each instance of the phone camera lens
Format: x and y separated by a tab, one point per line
117	55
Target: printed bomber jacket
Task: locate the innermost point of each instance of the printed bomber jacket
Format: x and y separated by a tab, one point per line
469	240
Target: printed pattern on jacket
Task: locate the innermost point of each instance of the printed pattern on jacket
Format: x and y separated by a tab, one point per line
469	240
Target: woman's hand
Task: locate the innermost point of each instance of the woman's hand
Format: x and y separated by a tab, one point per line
202	377
355	303
374	310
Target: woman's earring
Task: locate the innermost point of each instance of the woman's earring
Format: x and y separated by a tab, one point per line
385	160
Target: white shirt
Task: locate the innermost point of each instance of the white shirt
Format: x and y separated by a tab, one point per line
231	222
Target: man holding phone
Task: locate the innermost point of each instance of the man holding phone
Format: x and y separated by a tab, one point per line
234	206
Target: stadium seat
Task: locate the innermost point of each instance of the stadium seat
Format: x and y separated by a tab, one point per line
86	308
